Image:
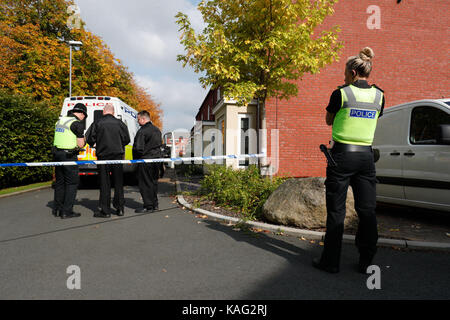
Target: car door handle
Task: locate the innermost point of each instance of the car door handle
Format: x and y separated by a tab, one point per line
395	153
409	154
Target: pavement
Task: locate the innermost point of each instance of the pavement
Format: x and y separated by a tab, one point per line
404	227
176	254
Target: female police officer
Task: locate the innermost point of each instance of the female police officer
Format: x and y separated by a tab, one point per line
353	112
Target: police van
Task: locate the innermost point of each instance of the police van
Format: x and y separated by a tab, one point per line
95	106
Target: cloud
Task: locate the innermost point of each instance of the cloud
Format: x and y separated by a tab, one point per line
181	100
144	36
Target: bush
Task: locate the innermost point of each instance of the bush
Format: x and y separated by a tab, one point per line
245	190
189	170
26	135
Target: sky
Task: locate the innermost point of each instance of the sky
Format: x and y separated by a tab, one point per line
144	36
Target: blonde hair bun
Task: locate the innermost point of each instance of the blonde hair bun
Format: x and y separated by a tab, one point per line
366	54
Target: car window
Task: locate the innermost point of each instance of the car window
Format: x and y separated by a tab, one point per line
424	124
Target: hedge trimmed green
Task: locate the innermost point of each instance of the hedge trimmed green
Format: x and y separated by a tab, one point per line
26	135
244	190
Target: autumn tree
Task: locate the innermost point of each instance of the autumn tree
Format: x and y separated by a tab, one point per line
34	57
258	48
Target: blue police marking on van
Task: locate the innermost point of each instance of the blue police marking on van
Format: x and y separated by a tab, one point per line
356	113
133	114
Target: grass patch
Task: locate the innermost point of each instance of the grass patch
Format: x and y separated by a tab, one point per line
24	188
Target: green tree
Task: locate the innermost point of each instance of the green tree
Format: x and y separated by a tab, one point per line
34	57
258	48
26	135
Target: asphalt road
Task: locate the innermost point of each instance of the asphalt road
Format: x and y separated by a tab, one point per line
172	254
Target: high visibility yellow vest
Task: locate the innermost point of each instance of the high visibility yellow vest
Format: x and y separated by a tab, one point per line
356	121
64	137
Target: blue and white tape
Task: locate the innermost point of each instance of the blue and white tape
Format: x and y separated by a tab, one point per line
79	163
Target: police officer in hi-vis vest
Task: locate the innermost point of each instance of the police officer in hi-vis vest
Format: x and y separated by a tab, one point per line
353	112
69	138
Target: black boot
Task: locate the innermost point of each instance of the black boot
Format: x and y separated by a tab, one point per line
102	214
318	265
69	215
120	212
364	262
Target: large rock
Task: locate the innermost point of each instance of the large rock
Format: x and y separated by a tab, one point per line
301	203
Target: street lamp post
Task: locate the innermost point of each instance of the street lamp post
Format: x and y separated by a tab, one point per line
72	44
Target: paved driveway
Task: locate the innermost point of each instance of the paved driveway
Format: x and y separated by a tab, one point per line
172	254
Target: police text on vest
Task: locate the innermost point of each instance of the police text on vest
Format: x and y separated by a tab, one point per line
357	113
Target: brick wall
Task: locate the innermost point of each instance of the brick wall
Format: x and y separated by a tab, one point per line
208	103
411	63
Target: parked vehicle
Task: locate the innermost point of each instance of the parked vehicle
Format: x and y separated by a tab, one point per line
414	144
95	107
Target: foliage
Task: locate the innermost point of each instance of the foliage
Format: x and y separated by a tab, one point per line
189	170
26	135
34	68
34	58
258	48
245	190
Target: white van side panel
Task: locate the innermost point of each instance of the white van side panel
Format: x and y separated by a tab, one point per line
122	111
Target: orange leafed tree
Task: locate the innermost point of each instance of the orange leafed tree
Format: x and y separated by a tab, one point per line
34	58
145	102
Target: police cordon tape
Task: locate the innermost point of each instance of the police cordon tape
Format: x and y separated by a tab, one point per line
80	163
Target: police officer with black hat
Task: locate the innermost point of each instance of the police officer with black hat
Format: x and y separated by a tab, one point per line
69	139
353	112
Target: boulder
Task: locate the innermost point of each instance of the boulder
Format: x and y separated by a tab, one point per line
300	202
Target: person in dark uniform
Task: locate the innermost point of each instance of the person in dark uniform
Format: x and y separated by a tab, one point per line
353	112
69	138
147	145
109	136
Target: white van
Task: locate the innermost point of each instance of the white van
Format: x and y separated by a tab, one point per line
414	144
95	107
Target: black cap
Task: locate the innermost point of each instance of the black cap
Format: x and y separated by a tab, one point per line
79	107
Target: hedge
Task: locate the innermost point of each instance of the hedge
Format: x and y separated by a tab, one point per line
26	135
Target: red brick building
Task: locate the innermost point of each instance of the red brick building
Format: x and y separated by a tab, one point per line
411	44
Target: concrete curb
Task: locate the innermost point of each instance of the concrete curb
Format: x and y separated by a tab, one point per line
313	235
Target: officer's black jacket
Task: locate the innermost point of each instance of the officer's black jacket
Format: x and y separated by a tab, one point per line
147	142
110	135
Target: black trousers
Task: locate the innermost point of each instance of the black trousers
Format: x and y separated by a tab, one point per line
66	184
358	170
148	174
108	172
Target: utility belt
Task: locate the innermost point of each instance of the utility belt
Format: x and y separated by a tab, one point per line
343	147
74	151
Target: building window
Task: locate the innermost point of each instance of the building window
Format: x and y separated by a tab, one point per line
244	141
